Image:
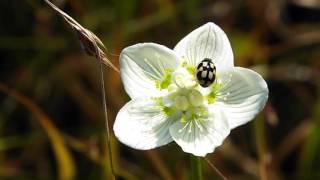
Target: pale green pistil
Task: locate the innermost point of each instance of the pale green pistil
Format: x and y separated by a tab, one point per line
181	103
189	102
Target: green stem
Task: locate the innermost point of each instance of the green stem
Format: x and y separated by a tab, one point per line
196	168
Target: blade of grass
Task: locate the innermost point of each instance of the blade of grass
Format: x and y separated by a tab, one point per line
215	169
311	147
65	163
309	154
106	119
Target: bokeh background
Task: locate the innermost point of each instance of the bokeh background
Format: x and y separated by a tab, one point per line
51	116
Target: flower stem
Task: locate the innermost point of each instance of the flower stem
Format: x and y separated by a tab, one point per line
195	168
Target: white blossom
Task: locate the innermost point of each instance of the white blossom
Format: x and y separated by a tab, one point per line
167	102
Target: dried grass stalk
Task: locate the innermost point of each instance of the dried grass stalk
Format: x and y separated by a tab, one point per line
92	46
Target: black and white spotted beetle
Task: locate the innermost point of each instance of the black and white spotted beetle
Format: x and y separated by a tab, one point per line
206	72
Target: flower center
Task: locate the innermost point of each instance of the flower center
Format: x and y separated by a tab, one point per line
183	95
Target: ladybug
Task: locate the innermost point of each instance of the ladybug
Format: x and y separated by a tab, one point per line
206	72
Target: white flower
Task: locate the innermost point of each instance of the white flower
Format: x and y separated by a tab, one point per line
168	104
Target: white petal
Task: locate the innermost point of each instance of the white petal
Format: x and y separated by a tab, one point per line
243	97
208	41
142	124
142	64
201	136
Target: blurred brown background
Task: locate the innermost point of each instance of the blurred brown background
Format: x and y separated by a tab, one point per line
51	117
